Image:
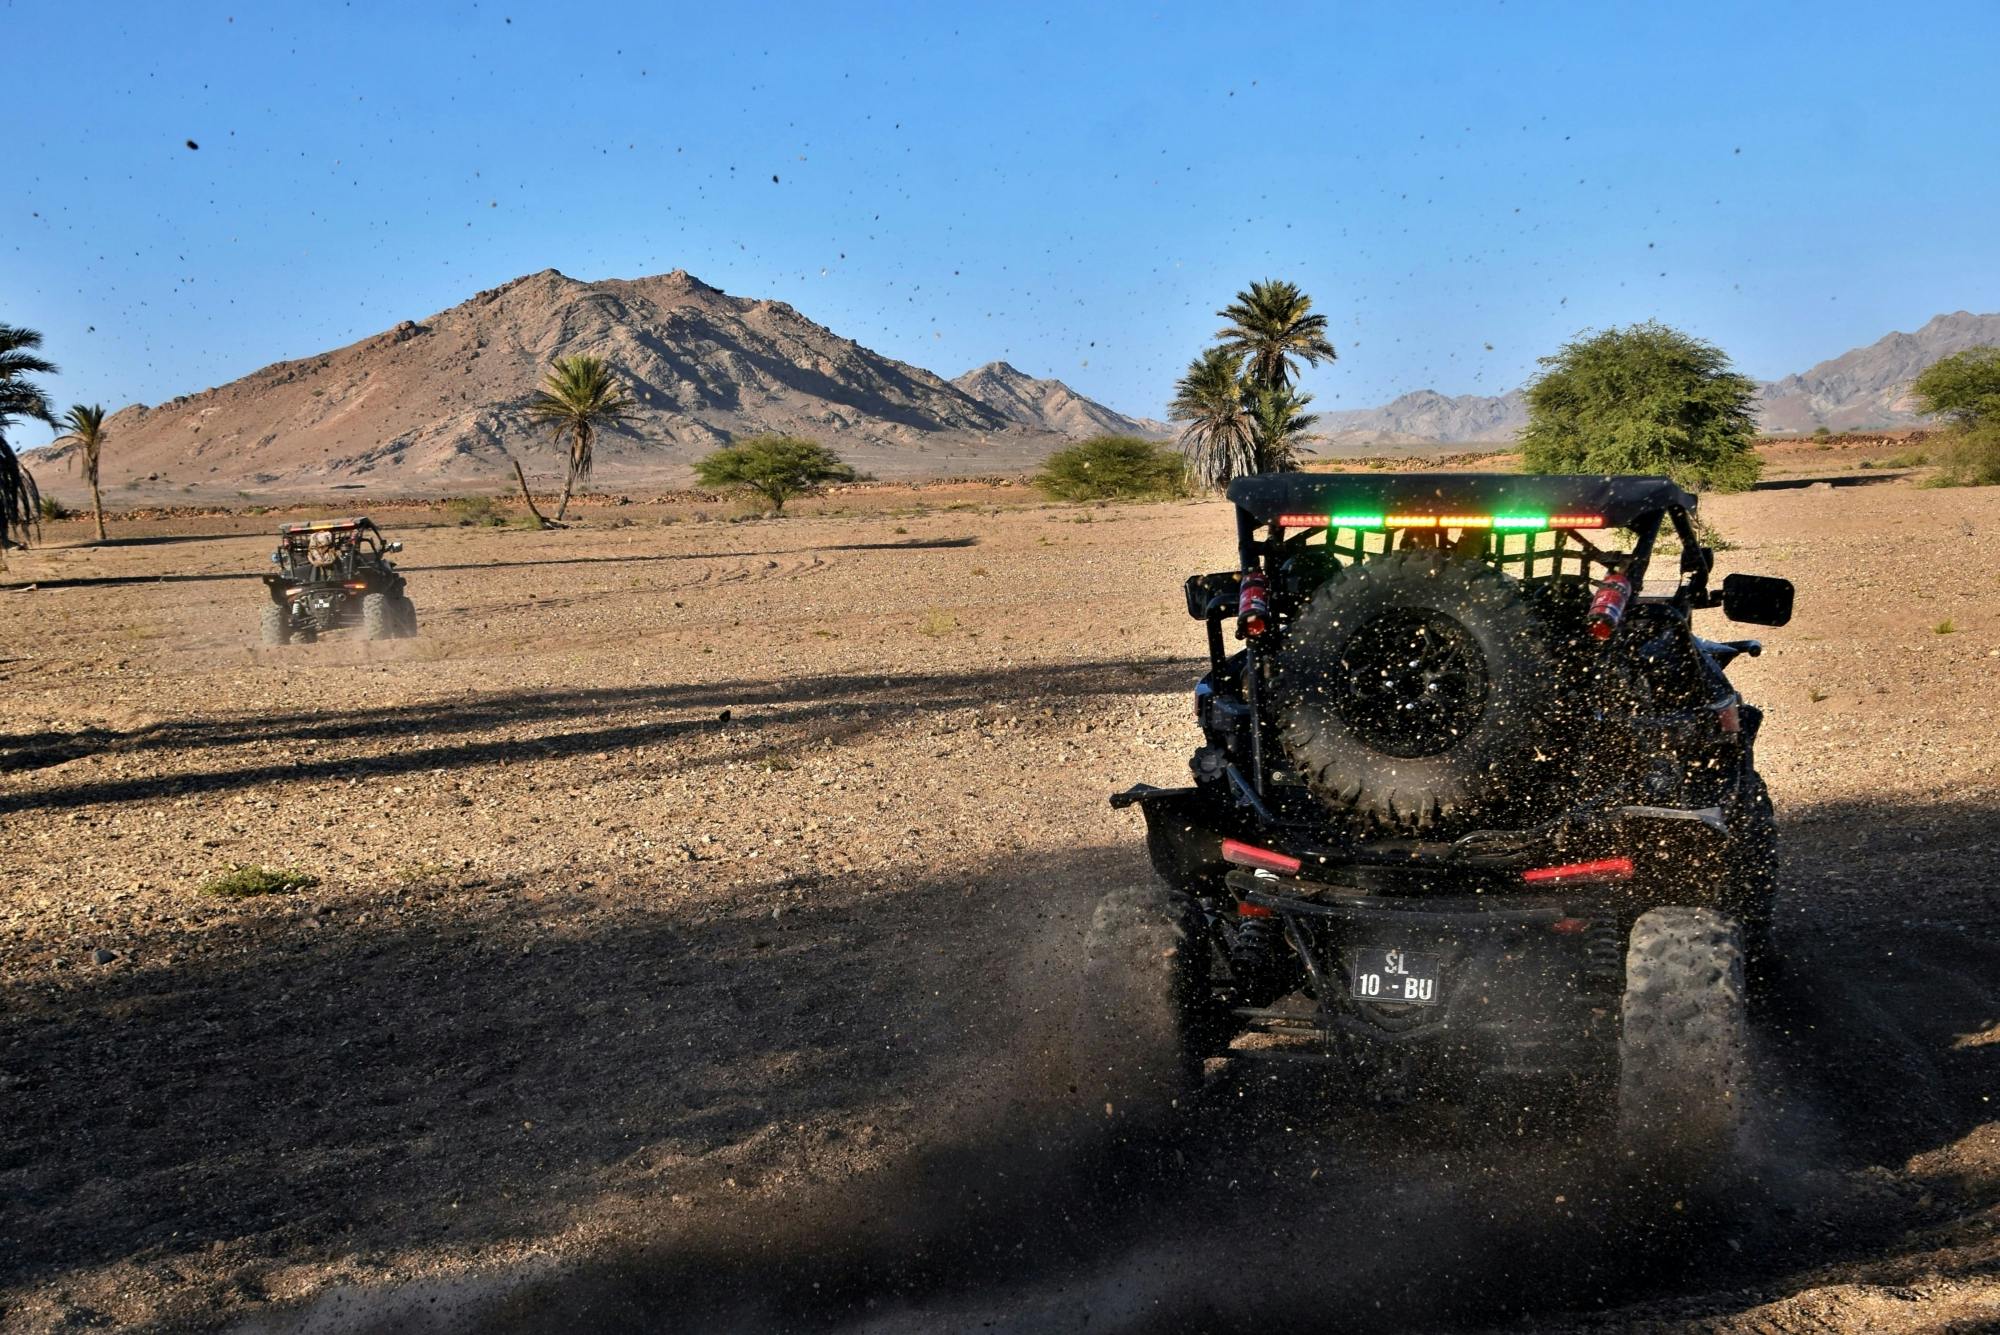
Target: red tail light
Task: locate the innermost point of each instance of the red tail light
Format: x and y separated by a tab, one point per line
1604	869
1253	911
1249	855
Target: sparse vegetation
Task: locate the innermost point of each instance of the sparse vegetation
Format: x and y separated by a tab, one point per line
937	623
579	397
244	881
1643	399
83	426
1945	627
49	509
474	512
774	467
1113	468
1241	411
1711	536
19	499
1964	389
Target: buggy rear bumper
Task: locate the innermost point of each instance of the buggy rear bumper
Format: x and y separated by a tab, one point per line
1520	985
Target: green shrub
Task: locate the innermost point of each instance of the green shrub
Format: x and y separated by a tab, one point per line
1970	457
51	508
774	467
1907	459
1644	399
1111	468
244	882
474	512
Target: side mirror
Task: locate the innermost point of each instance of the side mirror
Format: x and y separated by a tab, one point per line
1759	600
393	547
1203	588
277	558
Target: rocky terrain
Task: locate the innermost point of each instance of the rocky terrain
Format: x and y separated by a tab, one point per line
697	905
438	405
1050	405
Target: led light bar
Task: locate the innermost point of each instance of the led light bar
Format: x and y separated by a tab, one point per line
1517	523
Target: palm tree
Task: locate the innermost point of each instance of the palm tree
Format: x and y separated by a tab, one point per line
1219	440
83	426
19	499
578	397
1279	418
1273	327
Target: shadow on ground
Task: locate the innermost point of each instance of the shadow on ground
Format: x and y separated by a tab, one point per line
1281	1204
834	706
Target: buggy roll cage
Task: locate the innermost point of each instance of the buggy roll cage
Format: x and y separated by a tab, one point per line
353	533
1534	522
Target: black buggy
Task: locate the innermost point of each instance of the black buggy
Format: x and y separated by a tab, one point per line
1473	799
334	573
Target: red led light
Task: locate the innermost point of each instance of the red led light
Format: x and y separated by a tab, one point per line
1253	911
1302	521
1603	869
1249	855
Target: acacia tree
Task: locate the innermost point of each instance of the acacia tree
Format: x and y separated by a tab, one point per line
1219	439
774	467
579	397
19	499
1964	389
83	426
1646	398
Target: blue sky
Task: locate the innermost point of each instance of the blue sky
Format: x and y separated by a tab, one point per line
1460	187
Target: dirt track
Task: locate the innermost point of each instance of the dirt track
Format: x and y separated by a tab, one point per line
697	903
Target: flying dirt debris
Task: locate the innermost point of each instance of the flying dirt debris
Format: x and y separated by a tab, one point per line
1473	802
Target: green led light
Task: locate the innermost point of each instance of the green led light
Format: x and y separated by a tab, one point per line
1355	521
1520	521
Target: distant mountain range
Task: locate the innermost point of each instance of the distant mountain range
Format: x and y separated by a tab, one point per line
1867	387
1050	405
441	404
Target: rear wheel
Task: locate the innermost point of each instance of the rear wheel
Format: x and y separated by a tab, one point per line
274	624
1683	1048
377	617
406	617
1145	989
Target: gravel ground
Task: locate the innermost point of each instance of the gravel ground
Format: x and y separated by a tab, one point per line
694	914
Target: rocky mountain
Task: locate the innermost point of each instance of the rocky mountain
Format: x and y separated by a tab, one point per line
1425	415
1050	405
1870	386
440	403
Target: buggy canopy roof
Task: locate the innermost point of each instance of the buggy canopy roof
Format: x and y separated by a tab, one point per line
328	525
1618	500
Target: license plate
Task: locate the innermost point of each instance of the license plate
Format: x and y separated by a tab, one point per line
1396	975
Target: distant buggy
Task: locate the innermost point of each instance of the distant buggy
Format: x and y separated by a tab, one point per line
334	573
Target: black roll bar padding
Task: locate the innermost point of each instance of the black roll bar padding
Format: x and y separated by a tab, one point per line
1219	607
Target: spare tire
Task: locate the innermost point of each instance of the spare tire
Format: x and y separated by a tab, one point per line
1415	688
